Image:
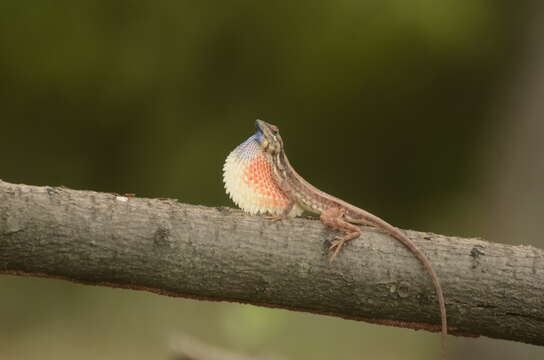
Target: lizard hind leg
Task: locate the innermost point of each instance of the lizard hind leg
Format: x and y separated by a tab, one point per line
334	218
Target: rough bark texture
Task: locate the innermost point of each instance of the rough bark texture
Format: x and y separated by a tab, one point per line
176	249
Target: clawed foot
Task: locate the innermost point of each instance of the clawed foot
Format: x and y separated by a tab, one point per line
274	217
336	246
334	217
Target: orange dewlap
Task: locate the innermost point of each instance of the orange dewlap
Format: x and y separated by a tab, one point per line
258	177
249	181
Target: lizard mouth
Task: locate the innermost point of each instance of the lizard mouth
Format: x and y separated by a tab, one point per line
265	128
260	125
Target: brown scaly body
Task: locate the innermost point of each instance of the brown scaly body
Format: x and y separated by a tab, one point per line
300	195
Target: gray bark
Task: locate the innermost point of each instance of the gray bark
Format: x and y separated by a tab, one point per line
184	250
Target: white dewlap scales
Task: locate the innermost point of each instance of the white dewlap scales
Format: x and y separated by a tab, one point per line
247	175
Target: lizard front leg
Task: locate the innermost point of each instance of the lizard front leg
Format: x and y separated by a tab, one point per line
334	218
285	213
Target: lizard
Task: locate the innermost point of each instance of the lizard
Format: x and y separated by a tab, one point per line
260	180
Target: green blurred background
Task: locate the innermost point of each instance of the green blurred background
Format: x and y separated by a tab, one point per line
426	113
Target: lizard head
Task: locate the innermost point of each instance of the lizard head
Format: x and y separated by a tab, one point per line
268	137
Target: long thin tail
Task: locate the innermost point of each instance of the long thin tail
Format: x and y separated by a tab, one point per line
393	231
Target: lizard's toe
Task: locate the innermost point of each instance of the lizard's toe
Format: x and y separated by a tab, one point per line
336	246
273	217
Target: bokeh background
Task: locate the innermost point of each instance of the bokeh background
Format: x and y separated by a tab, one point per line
427	113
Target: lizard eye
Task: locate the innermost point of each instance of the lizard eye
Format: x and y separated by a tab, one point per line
274	128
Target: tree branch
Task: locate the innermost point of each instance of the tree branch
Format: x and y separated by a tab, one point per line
220	254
